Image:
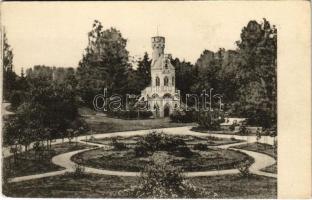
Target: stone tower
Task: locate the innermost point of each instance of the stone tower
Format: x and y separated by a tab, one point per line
158	46
161	95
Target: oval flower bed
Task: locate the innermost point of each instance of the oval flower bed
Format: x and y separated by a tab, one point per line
188	152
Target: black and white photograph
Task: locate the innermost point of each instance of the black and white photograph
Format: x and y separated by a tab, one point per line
139	100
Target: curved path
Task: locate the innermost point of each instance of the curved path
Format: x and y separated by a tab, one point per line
63	160
185	130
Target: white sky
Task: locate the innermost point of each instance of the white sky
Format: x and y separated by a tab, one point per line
55	34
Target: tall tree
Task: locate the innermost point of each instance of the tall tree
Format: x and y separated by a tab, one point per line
184	76
207	69
104	64
257	74
9	76
143	72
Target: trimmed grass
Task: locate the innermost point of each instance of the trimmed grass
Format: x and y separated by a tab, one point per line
225	132
100	186
259	147
28	165
104	124
234	186
262	148
126	160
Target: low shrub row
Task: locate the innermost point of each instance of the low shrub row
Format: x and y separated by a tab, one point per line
183	116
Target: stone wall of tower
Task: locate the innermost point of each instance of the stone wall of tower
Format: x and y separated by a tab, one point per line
158	46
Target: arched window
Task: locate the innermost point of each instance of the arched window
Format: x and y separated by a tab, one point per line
173	80
166	64
157	81
166	81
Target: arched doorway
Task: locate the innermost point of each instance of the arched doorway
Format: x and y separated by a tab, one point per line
166	111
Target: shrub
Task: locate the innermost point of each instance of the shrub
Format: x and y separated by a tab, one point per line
200	147
118	145
140	151
159	179
17	98
243	168
243	130
232	127
182	151
79	171
210	120
182	116
156	141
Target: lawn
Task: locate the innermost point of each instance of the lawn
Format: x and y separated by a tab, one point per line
262	148
104	124
259	147
100	186
27	164
234	186
225	132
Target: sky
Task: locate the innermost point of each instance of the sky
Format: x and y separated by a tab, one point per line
55	34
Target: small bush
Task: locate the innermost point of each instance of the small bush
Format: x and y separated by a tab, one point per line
118	145
233	139
182	151
200	147
140	151
182	116
159	179
243	168
243	130
79	171
156	141
17	98
210	120
232	127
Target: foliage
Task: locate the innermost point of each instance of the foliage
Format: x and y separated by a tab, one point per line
243	129
156	141
143	73
79	170
118	145
46	110
184	76
210	120
232	127
161	180
104	63
182	116
9	76
246	77
243	168
200	147
257	75
17	97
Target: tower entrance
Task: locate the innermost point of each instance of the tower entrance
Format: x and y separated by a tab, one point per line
166	111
